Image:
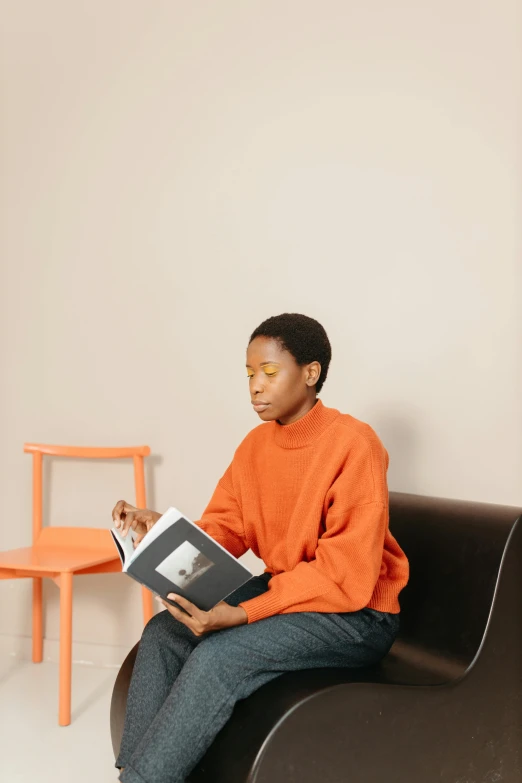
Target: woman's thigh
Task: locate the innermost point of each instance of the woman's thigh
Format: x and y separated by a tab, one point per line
302	640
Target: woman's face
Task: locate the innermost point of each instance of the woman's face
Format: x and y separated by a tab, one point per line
279	388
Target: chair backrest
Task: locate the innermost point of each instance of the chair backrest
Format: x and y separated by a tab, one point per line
455	550
86	537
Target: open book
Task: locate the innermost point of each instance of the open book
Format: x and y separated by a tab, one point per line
176	556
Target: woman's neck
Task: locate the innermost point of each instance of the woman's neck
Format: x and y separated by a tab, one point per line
305	408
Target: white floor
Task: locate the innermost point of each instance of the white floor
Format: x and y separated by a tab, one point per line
33	748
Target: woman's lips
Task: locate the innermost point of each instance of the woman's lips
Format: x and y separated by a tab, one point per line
260	406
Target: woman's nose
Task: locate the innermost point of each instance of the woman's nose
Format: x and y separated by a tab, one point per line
256	385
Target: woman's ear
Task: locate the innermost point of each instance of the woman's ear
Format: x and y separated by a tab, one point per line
313	371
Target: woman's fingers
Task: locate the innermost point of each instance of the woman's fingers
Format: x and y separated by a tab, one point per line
177	613
137	520
187	606
138	539
120	510
128	523
196	619
117	511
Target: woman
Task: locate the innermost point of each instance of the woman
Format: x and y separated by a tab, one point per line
307	493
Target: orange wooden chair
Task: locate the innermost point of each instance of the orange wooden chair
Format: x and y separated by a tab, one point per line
60	552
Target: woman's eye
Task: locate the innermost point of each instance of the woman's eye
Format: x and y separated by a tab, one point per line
269	373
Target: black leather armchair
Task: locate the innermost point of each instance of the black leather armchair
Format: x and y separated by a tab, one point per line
445	706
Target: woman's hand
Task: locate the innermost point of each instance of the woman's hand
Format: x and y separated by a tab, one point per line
221	616
127	517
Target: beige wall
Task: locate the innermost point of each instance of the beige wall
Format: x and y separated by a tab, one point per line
174	172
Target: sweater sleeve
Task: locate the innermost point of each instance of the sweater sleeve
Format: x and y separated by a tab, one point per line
342	575
223	519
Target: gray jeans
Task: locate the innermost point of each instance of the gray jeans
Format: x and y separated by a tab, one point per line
184	688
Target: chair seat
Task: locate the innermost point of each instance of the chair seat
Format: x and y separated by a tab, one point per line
54	559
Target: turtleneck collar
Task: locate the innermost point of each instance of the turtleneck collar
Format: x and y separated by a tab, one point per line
306	429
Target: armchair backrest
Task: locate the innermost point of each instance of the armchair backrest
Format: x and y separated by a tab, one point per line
455	550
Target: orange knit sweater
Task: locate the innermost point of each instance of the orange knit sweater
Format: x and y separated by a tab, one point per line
311	500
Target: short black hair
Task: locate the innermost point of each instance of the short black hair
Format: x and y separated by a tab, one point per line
301	336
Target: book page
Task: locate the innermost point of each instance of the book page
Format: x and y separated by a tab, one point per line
125	544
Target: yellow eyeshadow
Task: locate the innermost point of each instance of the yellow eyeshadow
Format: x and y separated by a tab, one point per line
268	369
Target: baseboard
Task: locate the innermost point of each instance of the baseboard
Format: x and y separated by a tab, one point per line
84	653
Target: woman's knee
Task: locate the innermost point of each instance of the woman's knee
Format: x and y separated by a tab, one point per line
208	654
222	666
217	656
159	627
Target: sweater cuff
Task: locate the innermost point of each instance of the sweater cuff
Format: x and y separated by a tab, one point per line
265	605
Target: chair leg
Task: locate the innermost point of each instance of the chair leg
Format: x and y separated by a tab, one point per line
37	620
148	605
66	596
